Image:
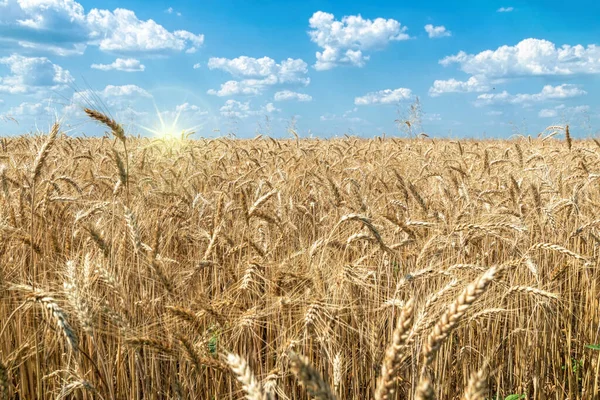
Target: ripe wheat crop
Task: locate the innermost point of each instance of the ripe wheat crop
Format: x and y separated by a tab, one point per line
133	268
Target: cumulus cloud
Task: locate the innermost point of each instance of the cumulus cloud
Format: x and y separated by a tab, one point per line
346	40
547	113
548	92
289	95
437	31
530	57
120	64
236	109
187	112
264	71
505	9
553	112
580	109
244	87
63	27
187	107
124	90
117	97
30	74
386	96
473	84
29	109
170	10
290	70
121	31
197	65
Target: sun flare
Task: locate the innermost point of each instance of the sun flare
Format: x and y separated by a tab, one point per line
172	131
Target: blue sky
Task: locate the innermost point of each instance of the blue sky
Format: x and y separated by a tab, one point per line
479	68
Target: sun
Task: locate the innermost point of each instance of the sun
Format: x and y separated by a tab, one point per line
172	131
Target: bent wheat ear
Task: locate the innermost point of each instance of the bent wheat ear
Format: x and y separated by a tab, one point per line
116	128
424	390
310	378
393	355
453	314
47	300
253	389
477	388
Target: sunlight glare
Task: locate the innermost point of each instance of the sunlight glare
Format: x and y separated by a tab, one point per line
172	131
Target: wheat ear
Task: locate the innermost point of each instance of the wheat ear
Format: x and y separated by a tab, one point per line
424	389
477	389
3	381
43	153
46	300
310	378
253	389
393	354
454	313
115	127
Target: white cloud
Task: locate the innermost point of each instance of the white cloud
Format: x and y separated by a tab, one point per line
580	109
30	74
197	65
473	84
548	92
125	90
289	95
233	108
122	31
437	31
236	109
110	93
185	112
187	107
244	87
195	40
28	109
547	113
553	112
290	70
494	113
386	96
344	41
63	27
345	117
120	64
505	9
244	66
265	72
270	108
530	57
118	98
170	10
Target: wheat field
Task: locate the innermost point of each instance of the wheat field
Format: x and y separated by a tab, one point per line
137	268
